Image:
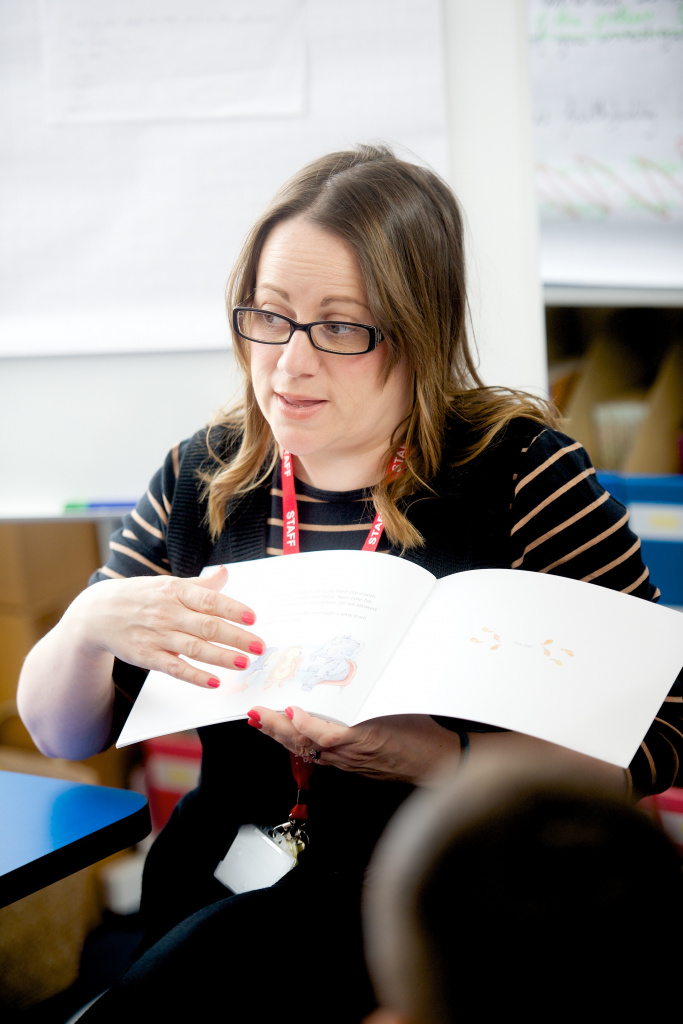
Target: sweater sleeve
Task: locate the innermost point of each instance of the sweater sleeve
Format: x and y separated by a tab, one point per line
565	523
138	548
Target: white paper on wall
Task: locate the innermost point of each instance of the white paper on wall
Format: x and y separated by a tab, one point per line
137	152
138	60
607	83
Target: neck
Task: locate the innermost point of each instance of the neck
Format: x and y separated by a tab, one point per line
341	474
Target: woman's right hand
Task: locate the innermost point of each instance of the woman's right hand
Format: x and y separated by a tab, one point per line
150	621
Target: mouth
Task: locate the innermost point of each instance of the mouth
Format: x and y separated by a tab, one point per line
298	401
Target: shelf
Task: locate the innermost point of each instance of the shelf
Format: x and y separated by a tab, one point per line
576	295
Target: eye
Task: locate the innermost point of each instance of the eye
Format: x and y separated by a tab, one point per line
341	330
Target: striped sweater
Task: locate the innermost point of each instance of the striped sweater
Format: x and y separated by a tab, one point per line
550	513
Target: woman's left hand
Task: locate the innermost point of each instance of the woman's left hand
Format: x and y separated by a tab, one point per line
406	748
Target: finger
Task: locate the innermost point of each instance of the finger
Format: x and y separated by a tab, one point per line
279	727
210	617
180	669
193	647
219	604
323	734
206	637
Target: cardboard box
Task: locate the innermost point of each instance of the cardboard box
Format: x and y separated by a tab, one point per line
612	373
39	562
20	629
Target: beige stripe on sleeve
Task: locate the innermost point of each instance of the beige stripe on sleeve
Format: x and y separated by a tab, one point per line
145	525
668	725
650	761
106	571
158	509
677	760
589	544
174	457
548	462
641	579
616	561
557	529
553	497
138	558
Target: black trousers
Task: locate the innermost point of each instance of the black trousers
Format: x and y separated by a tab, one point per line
293	948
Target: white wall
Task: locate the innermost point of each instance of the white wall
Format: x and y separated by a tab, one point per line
95	427
489	92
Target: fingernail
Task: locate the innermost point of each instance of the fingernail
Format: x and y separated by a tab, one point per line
213	683
289	712
240	662
256	725
255	715
256	648
249	618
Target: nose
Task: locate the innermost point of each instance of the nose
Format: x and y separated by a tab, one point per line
299	358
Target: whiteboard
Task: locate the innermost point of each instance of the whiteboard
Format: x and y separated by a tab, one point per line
607	87
140	140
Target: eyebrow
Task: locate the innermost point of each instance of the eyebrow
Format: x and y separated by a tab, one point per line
328	301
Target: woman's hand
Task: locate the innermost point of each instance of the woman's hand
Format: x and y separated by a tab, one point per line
66	691
150	621
406	748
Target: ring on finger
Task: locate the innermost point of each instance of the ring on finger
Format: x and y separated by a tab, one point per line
314	754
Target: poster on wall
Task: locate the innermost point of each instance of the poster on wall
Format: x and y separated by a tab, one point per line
141	140
607	87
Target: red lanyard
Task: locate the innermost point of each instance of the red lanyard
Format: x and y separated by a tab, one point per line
290	514
302	770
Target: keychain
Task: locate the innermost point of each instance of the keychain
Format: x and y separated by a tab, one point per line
258	856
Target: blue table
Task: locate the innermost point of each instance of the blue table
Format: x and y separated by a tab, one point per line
50	828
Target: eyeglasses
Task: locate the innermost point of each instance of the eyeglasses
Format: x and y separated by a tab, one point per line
327	335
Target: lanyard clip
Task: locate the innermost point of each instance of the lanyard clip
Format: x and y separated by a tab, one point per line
290	835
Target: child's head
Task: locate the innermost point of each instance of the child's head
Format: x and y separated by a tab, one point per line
517	888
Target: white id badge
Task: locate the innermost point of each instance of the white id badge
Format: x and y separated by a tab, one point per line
255	860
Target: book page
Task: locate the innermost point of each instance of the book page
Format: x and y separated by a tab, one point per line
569	662
330	620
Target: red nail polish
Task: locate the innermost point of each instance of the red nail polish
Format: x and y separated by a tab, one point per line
240	661
256	725
249	618
289	713
213	683
255	715
256	648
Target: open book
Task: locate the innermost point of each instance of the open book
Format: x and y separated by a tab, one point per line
352	637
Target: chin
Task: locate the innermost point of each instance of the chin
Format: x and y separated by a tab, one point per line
295	441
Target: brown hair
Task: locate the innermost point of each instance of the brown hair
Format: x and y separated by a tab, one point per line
405	227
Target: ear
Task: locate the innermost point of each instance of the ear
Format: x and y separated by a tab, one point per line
383	1016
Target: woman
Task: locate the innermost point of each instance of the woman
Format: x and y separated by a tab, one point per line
348	311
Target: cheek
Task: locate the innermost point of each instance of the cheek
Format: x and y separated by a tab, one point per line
362	381
261	365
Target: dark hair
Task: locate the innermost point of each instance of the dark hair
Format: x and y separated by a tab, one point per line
522	893
556	883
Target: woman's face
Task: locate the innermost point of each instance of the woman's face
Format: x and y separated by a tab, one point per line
333	412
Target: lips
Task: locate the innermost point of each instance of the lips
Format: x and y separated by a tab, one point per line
299	401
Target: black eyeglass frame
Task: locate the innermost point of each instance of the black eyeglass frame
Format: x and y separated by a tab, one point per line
376	336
